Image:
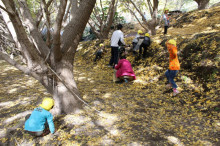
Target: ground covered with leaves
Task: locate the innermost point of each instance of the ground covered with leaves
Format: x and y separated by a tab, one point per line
142	112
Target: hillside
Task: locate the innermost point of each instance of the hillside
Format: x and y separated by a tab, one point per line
139	113
197	35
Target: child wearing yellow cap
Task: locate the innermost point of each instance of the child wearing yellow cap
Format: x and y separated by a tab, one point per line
174	65
40	119
135	40
99	52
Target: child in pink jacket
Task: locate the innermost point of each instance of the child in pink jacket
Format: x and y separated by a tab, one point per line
124	69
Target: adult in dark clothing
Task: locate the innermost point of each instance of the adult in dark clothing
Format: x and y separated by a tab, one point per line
117	37
145	44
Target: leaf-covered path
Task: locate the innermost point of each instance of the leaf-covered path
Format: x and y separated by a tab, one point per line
130	114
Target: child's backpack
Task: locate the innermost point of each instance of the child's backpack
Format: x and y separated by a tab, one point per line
146	41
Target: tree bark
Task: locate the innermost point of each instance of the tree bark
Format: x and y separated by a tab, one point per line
202	4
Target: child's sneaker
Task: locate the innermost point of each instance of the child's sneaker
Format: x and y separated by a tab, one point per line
175	92
168	86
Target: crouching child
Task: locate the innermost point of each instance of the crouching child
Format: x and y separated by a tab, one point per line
40	122
145	44
135	41
99	52
124	69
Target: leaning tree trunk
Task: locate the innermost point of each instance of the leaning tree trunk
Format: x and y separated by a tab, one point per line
51	66
202	4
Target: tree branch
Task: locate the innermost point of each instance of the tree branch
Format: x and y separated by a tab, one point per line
103	14
94	30
34	33
1	7
40	13
110	15
138	11
56	51
67	13
77	22
47	17
132	12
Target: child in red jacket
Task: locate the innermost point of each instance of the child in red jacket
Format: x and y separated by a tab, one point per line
124	69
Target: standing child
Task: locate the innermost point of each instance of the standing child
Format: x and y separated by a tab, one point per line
174	65
166	20
40	119
99	52
145	44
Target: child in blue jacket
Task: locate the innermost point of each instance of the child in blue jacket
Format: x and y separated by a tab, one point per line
40	119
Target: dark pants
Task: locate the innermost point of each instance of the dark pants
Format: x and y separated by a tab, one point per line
165	29
144	51
39	133
98	56
114	56
170	74
134	45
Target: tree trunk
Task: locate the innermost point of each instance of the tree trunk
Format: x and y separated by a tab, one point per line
153	30
202	4
65	101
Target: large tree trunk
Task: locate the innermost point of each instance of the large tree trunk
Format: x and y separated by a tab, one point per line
51	66
66	102
202	4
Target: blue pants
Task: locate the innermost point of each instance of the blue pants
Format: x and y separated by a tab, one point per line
170	74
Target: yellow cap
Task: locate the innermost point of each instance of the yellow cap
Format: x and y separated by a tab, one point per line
147	34
166	9
101	45
140	31
172	41
47	103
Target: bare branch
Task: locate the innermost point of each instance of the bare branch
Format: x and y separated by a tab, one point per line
103	14
46	14
57	28
110	15
95	22
34	33
138	11
132	12
93	29
11	13
67	12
